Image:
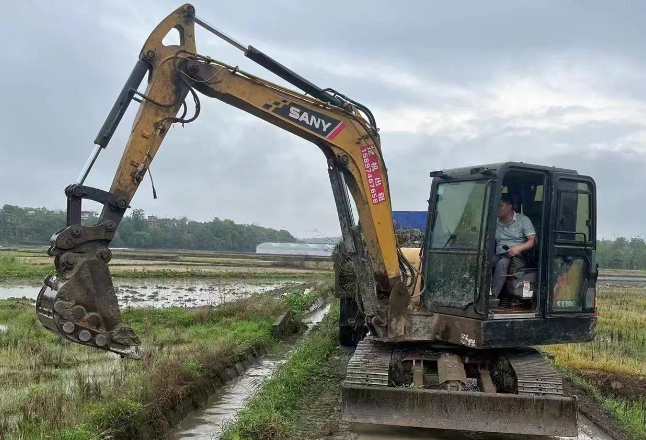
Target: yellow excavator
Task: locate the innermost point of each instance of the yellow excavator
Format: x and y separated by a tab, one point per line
433	349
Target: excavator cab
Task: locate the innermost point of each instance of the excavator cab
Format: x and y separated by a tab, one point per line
548	299
551	297
464	360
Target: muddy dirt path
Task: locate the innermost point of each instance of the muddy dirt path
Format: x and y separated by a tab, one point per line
320	416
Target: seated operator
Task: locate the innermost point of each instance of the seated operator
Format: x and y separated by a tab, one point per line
514	234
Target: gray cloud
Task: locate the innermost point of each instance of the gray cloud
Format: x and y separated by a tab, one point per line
451	84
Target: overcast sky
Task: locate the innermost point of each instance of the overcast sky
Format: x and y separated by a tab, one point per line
451	84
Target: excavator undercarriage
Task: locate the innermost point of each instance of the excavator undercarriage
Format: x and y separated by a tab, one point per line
514	392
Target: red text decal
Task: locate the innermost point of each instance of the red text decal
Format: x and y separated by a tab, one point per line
375	181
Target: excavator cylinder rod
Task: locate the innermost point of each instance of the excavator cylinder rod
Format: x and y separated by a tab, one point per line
221	34
461	410
121	104
89	164
275	67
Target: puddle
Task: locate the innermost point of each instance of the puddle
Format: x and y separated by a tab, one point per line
221	408
188	293
9	289
162	293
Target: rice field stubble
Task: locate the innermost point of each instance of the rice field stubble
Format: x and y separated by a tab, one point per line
54	389
612	368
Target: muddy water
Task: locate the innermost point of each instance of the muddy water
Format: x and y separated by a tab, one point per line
11	289
161	293
208	423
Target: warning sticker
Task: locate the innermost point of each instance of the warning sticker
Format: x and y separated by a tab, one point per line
527	293
373	173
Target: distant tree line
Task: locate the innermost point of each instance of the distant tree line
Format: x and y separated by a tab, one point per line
36	225
622	253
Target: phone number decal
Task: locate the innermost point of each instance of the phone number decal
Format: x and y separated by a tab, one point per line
375	181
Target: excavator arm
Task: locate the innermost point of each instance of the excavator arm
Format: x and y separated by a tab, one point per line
80	301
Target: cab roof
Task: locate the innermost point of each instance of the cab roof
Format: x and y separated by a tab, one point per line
502	167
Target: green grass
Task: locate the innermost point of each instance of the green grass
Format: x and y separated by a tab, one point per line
11	266
53	389
619	349
270	414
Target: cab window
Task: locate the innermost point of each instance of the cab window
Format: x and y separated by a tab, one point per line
574	220
573	244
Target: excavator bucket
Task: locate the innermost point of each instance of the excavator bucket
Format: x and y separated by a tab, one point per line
80	302
81	305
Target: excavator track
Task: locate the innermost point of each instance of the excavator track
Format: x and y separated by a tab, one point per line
370	364
534	376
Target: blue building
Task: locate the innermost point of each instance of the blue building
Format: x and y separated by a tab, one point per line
410	220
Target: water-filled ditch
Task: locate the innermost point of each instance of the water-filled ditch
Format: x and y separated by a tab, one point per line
208	422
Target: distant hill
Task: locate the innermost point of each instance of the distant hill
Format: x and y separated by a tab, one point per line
29	226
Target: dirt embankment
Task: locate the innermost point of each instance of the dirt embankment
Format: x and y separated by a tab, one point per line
619	385
601	417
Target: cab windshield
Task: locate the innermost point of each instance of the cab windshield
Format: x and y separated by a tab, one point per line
458	215
455	246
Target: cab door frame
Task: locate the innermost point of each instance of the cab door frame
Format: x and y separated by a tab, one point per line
478	308
563	243
541	247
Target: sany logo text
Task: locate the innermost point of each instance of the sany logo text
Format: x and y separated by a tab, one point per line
312	120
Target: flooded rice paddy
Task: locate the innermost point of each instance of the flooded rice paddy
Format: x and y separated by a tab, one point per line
163	293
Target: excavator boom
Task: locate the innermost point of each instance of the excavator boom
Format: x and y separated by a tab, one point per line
80	302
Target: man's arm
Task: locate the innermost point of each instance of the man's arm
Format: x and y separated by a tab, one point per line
530	234
515	250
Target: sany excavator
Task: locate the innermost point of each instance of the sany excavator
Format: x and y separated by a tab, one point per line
434	350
